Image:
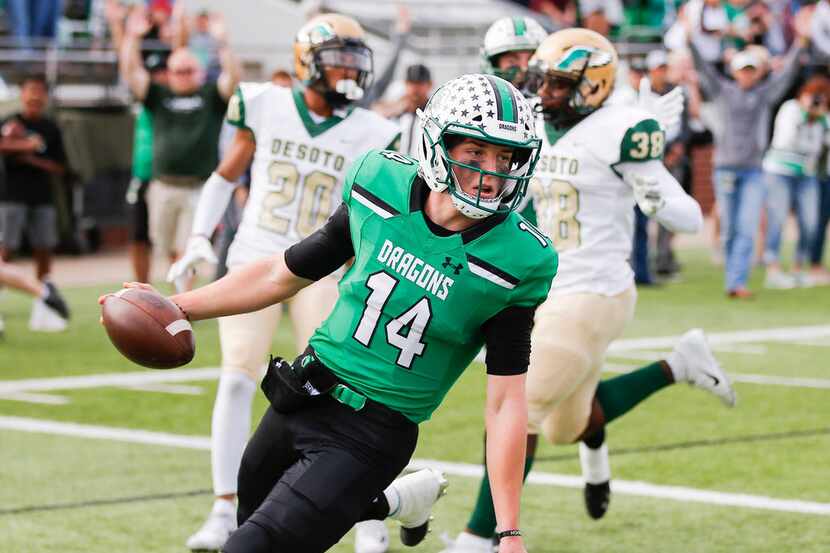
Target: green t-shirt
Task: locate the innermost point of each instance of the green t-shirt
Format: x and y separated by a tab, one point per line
143	146
411	307
186	130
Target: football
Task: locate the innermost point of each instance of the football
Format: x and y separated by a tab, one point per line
148	328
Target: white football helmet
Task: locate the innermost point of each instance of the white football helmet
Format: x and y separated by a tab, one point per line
486	108
510	34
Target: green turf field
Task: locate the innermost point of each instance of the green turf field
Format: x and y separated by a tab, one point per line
103	466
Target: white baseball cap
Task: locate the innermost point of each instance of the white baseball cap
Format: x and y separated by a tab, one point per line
656	58
743	59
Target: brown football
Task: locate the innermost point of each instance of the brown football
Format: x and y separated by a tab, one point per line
148	329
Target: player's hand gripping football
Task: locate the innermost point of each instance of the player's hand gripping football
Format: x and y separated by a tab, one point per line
198	249
667	108
646	192
139	285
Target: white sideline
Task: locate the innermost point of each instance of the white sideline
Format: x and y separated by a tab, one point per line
624	487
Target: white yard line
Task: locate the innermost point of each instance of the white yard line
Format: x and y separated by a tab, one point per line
44	399
643	348
623	487
820	334
104	433
168	389
138	378
761	379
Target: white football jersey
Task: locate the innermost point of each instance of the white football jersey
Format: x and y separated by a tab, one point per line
582	203
299	165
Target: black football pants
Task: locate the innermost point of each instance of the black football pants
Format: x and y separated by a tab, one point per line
307	477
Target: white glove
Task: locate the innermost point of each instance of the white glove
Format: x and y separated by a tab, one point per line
667	108
198	249
646	192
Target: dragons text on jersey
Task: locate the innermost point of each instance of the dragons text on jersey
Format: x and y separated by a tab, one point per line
412	305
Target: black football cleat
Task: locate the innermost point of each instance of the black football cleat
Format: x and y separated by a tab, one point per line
597	498
55	301
413	536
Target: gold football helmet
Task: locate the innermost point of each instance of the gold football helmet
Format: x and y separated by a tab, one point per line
584	57
333	40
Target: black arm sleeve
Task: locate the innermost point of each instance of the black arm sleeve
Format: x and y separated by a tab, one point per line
507	337
325	250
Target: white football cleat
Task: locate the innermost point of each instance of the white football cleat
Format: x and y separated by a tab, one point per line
371	536
467	543
213	534
692	361
416	492
45	319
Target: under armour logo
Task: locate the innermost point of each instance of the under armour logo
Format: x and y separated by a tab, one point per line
448	263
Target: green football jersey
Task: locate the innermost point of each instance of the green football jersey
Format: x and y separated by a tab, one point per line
408	320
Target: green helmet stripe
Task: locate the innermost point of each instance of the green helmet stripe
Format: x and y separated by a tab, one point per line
519	27
506	108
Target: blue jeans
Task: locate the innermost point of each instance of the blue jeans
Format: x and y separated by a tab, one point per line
740	193
801	194
817	251
33	18
639	248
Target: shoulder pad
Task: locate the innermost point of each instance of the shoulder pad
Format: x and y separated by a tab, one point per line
245	104
382	176
532	261
387	132
642	141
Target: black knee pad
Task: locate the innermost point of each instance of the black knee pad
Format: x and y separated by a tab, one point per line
249	538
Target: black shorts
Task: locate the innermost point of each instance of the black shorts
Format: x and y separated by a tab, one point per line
137	200
308	476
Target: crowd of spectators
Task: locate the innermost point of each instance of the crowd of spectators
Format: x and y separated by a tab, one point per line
752	72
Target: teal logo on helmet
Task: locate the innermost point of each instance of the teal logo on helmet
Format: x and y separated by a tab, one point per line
321	33
576	59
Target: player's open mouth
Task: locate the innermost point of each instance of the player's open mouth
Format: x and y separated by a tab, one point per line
487	192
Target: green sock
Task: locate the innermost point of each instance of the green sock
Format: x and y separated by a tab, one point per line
483	520
621	394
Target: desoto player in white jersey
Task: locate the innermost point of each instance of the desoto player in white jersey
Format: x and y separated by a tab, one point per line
300	142
596	161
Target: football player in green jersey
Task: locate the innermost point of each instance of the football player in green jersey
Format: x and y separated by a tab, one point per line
430	285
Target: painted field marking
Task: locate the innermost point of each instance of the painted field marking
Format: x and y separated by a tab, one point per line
623	487
43	399
761	379
819	334
138	378
167	389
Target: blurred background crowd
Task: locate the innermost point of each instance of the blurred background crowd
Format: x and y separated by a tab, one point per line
82	84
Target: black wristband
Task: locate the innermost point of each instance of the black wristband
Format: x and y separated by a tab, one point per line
508	533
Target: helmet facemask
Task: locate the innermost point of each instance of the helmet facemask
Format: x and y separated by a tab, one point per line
561	115
513	177
351	54
583	57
